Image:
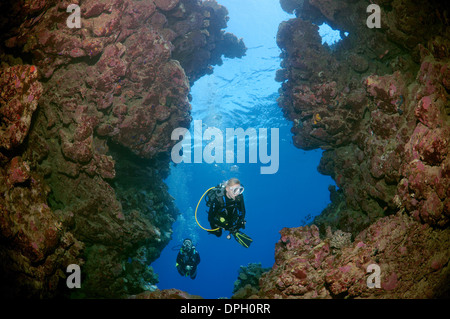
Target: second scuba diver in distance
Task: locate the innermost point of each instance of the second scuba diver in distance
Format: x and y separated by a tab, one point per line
187	259
227	210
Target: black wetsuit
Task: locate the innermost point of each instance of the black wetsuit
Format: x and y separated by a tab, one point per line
188	258
224	212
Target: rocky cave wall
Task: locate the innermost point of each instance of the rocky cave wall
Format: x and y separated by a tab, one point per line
378	103
86	118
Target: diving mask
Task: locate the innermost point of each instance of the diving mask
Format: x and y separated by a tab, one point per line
187	245
236	190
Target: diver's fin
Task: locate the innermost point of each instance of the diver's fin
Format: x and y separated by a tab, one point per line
242	239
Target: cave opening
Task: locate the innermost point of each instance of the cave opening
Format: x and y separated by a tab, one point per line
242	93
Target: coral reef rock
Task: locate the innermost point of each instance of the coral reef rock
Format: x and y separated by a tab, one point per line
247	283
165	294
413	260
383	124
377	103
86	121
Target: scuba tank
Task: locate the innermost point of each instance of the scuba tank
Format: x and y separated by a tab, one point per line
215	193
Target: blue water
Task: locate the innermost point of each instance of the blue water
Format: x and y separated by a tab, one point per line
242	93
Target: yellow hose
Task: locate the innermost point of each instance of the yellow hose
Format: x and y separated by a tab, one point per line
197	208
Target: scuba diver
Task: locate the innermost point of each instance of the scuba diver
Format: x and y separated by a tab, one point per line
227	210
187	259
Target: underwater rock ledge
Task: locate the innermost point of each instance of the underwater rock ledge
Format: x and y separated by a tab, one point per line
377	103
87	115
413	258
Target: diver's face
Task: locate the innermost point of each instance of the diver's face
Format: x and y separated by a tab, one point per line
187	245
233	191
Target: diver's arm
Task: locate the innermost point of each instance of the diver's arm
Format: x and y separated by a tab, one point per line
180	266
212	216
197	258
180	261
242	206
242	211
214	213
